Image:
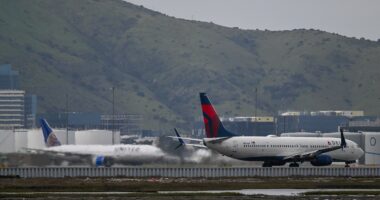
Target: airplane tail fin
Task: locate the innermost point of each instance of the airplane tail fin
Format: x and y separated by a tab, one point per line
213	125
49	136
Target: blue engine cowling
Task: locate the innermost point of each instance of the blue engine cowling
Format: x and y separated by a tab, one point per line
321	160
99	161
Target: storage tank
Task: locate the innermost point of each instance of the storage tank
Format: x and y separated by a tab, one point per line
301	134
372	148
21	139
61	135
36	140
356	137
7	141
96	137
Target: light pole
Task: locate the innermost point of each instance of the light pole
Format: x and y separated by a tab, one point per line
67	118
255	102
256	121
113	115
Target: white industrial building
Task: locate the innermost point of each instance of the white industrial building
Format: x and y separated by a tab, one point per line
368	141
346	113
12	109
16	140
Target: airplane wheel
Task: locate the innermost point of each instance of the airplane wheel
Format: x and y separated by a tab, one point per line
108	162
293	165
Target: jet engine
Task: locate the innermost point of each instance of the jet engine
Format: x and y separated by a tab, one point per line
321	160
106	161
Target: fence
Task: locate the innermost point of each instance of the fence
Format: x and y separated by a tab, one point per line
55	172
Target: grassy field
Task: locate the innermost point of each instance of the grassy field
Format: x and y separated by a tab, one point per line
115	188
180	184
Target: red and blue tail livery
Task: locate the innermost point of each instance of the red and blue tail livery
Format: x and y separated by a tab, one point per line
49	136
213	125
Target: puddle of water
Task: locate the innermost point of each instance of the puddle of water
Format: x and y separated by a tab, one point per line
270	192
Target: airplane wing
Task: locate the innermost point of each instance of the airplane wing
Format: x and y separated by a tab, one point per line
55	153
196	145
183	143
305	156
190	139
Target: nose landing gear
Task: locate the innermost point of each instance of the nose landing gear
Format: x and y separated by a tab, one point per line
294	164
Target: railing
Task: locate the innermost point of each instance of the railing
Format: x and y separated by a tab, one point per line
54	172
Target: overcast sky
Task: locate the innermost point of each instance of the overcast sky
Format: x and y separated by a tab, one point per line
353	18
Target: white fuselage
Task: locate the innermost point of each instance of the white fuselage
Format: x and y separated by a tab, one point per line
127	153
268	148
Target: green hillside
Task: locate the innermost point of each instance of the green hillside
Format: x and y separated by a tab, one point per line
159	64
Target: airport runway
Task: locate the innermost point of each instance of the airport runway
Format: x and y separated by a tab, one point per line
189	172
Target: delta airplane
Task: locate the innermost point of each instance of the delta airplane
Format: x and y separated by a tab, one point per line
99	155
273	150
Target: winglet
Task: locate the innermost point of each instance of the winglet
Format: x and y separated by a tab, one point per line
343	143
181	142
49	137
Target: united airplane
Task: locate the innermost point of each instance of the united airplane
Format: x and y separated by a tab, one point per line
272	150
99	155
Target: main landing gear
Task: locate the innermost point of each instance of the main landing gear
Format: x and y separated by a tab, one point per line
294	164
266	164
274	163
